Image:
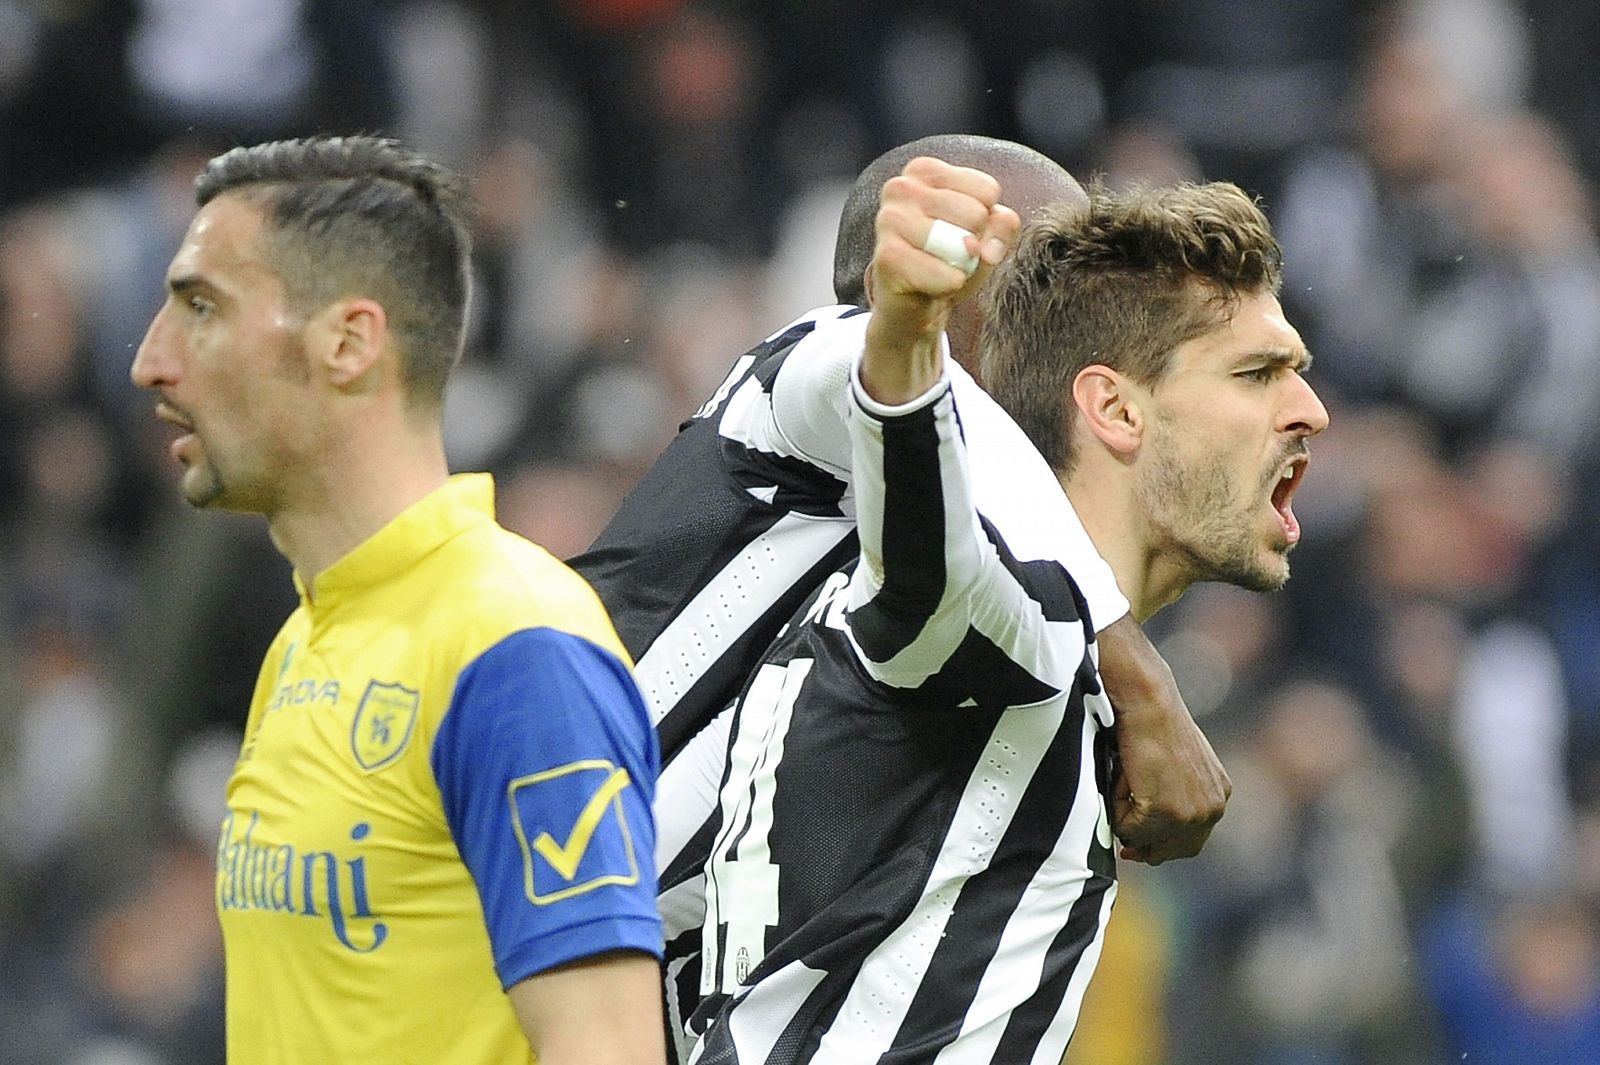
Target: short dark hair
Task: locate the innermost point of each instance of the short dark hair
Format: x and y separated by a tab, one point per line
364	216
1120	282
1005	160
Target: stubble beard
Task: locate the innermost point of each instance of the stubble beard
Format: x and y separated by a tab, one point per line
205	487
1200	518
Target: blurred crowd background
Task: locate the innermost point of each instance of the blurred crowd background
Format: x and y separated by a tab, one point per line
1409	871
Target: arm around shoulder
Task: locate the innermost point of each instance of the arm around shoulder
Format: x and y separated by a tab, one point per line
1170	790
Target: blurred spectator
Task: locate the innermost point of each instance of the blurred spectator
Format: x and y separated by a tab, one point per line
1364	221
1517	984
439	55
929	80
65	106
1241	82
259	68
566	504
115	240
1300	943
1565	48
1511	732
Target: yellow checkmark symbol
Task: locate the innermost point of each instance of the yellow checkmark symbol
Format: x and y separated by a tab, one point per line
564	858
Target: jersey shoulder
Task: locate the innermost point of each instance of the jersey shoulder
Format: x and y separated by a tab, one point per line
490	582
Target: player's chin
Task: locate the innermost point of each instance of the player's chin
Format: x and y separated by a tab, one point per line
1266	570
1272	569
201	488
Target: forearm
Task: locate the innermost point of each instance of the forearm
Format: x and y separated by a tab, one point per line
1171	789
603	1010
905	352
909	601
1136	677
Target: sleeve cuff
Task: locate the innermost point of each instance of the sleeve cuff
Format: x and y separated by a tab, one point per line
884	411
584	940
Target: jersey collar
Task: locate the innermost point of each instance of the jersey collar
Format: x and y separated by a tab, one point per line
461	502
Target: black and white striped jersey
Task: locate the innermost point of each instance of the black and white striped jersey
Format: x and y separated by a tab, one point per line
736	524
912	859
724	536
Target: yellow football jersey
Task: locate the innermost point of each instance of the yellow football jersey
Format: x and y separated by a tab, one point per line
444	788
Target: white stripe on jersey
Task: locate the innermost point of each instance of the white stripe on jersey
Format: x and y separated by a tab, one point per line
730	603
692	780
766	1010
980	593
1053	1045
876	1004
1019	957
801	418
747	420
964	542
742	889
1010	487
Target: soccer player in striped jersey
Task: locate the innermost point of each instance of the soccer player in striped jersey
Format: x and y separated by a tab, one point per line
913	861
734	526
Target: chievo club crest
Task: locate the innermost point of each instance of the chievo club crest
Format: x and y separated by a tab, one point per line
383	723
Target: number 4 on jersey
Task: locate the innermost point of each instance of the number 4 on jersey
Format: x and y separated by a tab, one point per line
742	889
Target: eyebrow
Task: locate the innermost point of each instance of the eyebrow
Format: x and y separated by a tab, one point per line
184	284
1299	360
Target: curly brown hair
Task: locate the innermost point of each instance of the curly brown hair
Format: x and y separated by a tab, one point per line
1120	282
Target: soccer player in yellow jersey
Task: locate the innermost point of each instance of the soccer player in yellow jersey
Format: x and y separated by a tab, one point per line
438	845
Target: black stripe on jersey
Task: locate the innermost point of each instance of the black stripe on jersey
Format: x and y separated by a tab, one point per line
801	1037
722	681
796	485
645	589
1030	1020
1046	581
680	990
978	670
766	370
988	899
913	538
845	928
762	353
656	552
1102	861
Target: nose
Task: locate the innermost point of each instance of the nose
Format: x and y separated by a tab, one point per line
153	364
1303	412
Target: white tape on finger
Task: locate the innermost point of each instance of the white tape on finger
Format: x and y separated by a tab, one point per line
949	242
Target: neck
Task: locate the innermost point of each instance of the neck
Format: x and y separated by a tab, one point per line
373	470
1150	578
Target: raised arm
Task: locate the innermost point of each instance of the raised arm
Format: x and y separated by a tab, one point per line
939	606
913	289
1170	789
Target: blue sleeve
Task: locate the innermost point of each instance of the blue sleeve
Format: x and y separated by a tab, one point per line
547	764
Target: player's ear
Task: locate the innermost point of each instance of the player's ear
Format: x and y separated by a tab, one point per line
1109	407
346	340
866	283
